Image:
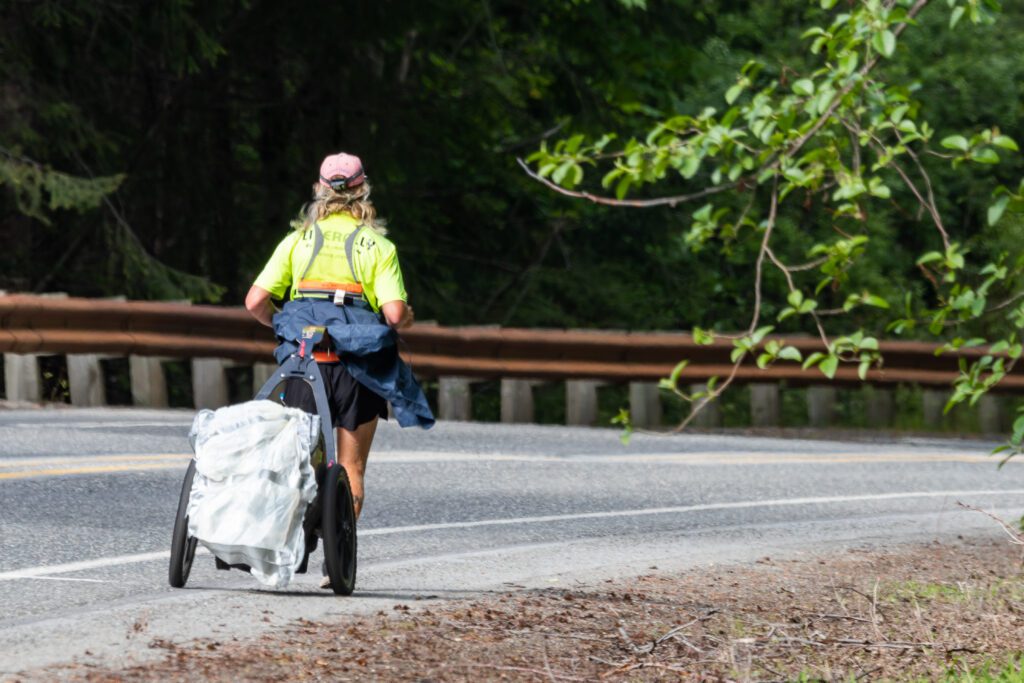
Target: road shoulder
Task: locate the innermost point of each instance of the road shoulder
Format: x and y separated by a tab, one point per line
921	610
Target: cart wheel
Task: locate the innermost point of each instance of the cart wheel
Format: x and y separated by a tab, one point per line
338	526
183	546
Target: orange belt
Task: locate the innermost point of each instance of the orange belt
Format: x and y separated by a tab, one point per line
330	356
329	290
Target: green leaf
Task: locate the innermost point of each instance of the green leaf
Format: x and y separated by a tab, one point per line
563	169
828	4
995	212
879	189
985	155
702	336
790	353
957	142
804	87
572	145
862	369
1006	142
829	366
884	42
954	18
734	92
763	360
999	346
813	359
623	187
676	371
876	301
690	166
737	354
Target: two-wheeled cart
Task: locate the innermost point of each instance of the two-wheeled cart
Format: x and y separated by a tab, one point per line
330	517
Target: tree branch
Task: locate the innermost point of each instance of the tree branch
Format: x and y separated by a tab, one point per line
755	318
634	203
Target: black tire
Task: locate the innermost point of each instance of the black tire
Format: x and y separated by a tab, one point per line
338	526
183	546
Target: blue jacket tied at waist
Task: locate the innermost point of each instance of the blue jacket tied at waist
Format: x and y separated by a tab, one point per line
366	346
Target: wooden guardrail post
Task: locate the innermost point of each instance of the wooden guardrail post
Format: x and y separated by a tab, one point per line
710	415
516	401
764	404
933	401
645	404
261	372
148	381
85	380
990	413
209	382
455	398
581	402
821	405
878	406
21	377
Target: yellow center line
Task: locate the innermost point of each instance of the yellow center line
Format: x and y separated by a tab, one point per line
34	462
99	464
97	469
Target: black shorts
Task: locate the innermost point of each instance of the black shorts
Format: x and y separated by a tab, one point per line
350	402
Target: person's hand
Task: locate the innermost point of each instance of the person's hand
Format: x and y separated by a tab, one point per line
398	314
258	303
407	318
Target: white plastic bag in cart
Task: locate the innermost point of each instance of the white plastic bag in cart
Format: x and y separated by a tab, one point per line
252	485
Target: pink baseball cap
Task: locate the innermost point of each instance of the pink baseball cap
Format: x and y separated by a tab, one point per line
341	171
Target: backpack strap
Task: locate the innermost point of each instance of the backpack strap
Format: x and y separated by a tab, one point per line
349	245
318	244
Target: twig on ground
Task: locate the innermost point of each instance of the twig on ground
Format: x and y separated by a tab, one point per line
648	649
688	644
1015	536
642	665
524	669
868	673
874	612
841	616
547	663
571	636
893	645
603	661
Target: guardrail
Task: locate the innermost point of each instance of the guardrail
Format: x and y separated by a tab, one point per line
216	338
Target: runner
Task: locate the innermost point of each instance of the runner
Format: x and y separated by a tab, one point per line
340	271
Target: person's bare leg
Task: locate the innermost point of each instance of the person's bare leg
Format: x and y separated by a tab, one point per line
353	450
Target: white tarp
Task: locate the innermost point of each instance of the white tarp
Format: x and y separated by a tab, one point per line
252	485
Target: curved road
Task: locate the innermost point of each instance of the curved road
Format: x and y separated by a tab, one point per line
87	499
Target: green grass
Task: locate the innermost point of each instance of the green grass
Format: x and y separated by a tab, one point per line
1010	672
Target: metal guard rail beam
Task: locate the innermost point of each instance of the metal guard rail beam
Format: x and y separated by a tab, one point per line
33	324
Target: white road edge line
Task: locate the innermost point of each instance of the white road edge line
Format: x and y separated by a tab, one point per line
779	502
36	572
62	578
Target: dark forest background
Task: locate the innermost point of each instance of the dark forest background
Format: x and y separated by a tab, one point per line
211	119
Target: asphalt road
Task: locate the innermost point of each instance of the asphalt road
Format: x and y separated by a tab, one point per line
87	500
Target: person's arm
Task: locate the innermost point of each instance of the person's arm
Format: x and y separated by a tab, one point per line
273	281
257	302
398	314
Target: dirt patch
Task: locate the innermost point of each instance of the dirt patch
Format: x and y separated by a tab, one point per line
920	612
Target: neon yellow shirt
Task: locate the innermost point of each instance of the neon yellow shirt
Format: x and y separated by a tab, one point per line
373	256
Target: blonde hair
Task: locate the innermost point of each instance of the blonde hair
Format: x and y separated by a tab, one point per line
327	201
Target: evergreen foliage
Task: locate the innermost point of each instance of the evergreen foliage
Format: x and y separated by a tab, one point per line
217	114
